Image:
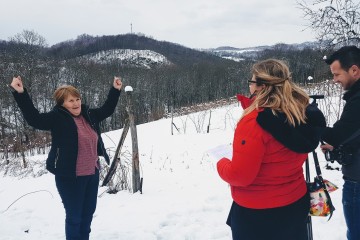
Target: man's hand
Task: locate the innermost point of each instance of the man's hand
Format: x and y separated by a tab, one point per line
17	84
326	147
117	83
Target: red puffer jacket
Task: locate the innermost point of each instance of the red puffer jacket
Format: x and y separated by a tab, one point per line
245	101
264	172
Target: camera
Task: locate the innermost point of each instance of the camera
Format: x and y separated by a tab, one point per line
340	155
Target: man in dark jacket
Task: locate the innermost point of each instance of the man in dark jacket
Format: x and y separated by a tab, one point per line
345	67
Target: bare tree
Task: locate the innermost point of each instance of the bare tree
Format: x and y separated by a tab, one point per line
28	61
335	22
29	37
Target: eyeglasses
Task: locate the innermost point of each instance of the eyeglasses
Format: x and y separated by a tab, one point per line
251	81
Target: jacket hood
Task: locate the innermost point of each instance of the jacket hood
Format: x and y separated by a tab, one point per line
303	138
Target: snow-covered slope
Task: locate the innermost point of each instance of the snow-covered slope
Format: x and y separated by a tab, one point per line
239	54
128	57
183	196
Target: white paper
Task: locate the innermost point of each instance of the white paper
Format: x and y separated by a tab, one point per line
221	151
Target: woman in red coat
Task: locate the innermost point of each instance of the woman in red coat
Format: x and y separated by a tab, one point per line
271	143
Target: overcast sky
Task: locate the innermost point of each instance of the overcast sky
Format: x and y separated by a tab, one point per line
192	23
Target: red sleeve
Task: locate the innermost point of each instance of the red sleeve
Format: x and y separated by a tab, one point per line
248	152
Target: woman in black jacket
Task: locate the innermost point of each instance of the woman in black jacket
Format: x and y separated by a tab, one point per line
75	148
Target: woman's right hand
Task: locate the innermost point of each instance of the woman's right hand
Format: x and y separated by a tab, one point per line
17	84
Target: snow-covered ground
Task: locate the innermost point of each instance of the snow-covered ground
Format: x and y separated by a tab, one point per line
183	197
140	58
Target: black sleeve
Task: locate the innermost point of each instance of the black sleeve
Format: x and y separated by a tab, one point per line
109	105
42	121
314	116
348	123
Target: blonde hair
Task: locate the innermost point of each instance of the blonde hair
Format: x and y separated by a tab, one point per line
279	94
62	92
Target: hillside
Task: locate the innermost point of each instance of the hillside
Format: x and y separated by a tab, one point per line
182	192
175	53
165	75
240	54
128	57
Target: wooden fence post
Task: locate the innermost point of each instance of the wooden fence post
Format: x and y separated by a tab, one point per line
172	120
208	127
136	182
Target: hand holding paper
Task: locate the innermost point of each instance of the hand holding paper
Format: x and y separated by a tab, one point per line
221	151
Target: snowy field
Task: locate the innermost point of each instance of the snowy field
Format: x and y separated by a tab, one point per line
183	196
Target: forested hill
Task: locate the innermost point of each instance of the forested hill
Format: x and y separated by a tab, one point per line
175	53
164	75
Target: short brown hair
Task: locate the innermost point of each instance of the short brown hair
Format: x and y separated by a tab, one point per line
62	92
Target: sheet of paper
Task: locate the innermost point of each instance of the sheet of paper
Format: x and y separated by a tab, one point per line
221	151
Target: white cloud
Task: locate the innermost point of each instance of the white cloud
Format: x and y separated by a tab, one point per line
193	23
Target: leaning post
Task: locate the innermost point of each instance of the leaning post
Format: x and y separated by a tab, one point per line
136	182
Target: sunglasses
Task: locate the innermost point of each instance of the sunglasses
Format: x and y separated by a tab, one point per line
251	81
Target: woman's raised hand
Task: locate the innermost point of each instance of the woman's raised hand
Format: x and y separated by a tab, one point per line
17	84
117	83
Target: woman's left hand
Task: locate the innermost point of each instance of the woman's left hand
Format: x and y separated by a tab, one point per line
117	83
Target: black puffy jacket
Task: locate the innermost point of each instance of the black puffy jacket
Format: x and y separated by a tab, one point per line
64	144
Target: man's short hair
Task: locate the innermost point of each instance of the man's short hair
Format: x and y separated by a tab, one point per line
347	56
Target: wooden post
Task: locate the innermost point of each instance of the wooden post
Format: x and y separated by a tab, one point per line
136	182
208	127
172	120
116	160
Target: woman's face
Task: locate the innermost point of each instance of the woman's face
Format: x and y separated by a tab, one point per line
73	105
253	87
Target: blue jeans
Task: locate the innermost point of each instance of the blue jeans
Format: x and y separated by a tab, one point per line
79	196
351	206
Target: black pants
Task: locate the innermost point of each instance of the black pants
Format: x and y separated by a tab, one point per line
282	223
79	196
